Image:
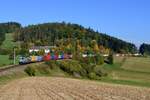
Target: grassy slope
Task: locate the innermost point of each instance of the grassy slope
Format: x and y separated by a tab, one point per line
117	74
137	64
4	60
7	78
133	70
124	72
7	44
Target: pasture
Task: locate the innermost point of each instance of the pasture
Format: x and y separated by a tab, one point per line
8	43
137	64
130	70
4	60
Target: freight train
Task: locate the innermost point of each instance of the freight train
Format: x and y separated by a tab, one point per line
46	57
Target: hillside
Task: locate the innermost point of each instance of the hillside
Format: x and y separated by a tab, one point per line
8	27
52	33
6	48
8	43
44	88
129	70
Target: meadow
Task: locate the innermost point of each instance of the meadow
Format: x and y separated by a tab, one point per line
4	60
7	44
129	70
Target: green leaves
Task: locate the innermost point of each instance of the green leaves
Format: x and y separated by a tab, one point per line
51	33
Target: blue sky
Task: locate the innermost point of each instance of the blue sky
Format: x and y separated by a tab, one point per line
126	19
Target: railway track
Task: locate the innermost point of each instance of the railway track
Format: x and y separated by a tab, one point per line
14	68
8	67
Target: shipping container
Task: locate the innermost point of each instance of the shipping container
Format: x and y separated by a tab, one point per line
62	56
47	57
70	56
59	56
52	56
66	56
39	58
56	56
33	58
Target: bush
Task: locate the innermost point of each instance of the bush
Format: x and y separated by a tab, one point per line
86	69
30	70
87	60
41	69
99	71
92	75
44	69
23	51
89	68
11	56
91	60
4	51
99	59
52	64
71	66
110	58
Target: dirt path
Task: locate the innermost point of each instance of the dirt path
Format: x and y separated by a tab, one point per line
44	88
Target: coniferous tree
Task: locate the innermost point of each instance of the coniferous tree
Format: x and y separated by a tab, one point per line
110	58
50	33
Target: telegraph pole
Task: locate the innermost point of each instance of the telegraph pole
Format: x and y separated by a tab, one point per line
14	56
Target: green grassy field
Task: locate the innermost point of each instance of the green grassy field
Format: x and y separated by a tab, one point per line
7	44
137	64
4	60
129	70
117	73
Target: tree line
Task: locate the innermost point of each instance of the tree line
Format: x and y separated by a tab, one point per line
51	33
67	33
145	49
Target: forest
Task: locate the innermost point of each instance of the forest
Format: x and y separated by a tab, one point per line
145	49
66	33
52	33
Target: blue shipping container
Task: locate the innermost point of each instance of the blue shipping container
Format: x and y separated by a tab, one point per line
39	58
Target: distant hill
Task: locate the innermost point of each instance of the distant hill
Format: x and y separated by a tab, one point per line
50	33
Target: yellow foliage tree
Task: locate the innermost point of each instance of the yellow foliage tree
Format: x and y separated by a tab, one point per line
79	48
95	46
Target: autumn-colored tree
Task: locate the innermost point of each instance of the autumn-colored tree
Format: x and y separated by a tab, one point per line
94	45
49	33
78	46
103	50
110	58
41	52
